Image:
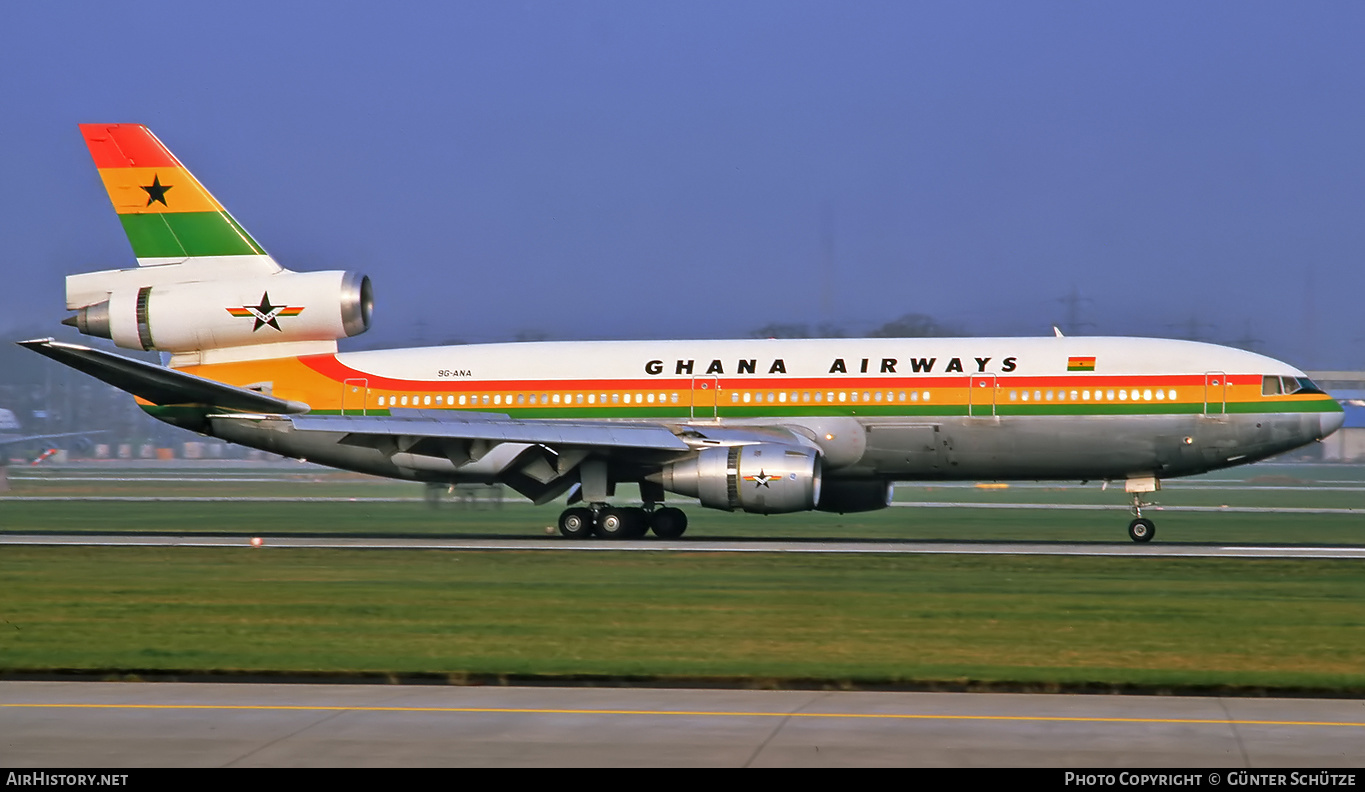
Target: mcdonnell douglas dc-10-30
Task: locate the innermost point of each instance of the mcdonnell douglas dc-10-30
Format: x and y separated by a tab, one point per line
763	426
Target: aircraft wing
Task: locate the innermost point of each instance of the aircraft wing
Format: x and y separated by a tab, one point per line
494	428
537	458
158	385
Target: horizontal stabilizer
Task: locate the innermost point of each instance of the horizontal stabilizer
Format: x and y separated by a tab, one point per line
161	386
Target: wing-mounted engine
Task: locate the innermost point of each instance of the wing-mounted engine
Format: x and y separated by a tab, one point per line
763	478
218	314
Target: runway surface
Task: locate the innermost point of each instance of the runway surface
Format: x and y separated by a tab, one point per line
93	724
1126	549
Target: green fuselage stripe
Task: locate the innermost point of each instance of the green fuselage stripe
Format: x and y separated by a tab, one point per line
681	412
178	234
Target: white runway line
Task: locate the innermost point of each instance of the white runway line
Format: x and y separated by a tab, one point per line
898	504
1126	550
1124	507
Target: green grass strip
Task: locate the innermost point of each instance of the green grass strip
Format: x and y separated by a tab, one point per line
866	619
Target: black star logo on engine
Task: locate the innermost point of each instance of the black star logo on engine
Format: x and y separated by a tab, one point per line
762	479
156	191
265	313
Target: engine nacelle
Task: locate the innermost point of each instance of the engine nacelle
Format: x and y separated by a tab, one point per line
217	314
846	497
768	478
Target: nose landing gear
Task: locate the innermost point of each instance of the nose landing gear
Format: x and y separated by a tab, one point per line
1141	529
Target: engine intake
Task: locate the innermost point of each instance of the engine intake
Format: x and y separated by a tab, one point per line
767	478
184	317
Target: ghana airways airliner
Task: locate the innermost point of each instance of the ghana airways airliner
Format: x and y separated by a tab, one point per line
762	426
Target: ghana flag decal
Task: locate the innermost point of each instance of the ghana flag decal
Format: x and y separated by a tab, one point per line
1080	364
166	213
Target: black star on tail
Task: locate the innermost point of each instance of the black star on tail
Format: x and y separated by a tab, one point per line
156	191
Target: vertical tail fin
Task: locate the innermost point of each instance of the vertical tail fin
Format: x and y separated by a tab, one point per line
204	290
167	214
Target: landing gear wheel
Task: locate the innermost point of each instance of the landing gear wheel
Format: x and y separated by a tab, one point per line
638	523
1141	530
614	523
576	523
668	522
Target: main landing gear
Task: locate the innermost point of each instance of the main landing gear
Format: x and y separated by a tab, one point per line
611	522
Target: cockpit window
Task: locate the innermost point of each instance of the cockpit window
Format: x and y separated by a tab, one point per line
1306	385
1272	386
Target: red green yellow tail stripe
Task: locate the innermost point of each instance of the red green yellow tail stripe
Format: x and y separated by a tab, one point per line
166	213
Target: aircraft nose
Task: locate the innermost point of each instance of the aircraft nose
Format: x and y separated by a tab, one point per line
1330	422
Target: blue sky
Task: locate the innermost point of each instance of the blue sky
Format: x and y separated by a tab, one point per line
656	170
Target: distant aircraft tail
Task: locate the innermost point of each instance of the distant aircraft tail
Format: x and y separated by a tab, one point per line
204	289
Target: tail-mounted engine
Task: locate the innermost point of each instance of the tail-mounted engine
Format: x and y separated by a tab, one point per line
217	314
767	478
